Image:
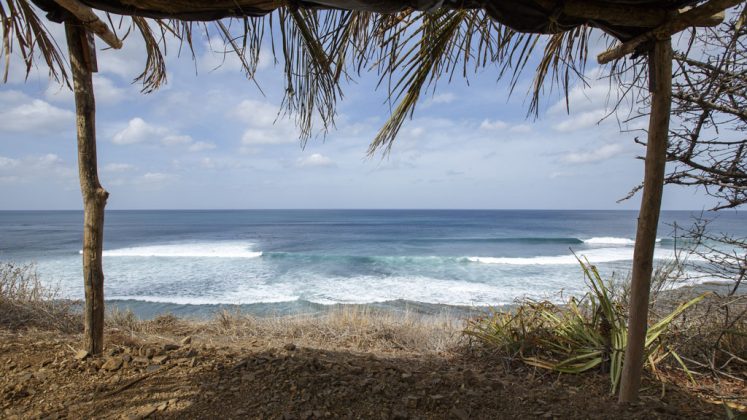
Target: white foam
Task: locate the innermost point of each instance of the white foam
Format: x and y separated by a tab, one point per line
611	240
359	290
608	240
194	250
599	255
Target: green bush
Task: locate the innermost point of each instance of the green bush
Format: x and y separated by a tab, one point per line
583	334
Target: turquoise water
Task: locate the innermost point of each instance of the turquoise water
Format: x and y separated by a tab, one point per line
285	259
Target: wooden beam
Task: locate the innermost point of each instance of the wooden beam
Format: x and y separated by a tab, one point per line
92	22
680	22
94	195
660	79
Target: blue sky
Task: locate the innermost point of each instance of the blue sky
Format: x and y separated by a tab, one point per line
211	139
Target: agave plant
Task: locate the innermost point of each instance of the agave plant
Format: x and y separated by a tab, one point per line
586	333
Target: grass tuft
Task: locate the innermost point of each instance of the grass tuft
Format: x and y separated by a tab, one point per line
25	302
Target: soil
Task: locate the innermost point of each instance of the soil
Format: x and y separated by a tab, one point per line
44	375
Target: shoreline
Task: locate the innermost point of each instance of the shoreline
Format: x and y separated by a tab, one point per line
147	310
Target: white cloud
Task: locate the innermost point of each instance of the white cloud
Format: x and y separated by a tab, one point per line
604	152
521	128
201	146
56	92
7	163
219	57
258	137
257	113
118	167
493	125
315	160
36	167
265	127
22	113
442	98
585	120
106	91
138	131
157	177
174	139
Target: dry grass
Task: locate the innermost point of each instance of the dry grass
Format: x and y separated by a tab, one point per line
351	328
25	302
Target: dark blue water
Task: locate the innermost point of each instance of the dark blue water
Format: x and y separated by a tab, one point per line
322	257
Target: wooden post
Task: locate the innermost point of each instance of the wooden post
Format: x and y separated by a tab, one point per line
660	86
82	63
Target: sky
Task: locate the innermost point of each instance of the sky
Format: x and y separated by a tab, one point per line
209	139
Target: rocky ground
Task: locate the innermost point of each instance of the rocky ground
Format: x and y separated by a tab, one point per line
44	375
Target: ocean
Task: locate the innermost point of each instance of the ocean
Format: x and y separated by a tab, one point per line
288	261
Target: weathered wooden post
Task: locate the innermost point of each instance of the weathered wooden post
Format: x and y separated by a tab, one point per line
83	64
660	85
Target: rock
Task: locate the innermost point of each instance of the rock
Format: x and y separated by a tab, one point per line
159	360
290	346
170	347
186	340
152	368
112	364
82	354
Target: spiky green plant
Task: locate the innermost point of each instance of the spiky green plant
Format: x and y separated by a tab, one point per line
585	333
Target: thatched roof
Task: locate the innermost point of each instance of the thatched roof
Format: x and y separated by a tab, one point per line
622	18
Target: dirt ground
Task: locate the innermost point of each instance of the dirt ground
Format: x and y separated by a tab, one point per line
43	375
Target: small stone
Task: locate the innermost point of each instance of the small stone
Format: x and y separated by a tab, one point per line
186	340
82	354
152	368
159	360
41	375
25	377
112	364
290	346
147	410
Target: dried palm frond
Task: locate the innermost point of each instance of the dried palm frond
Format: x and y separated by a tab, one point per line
24	30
